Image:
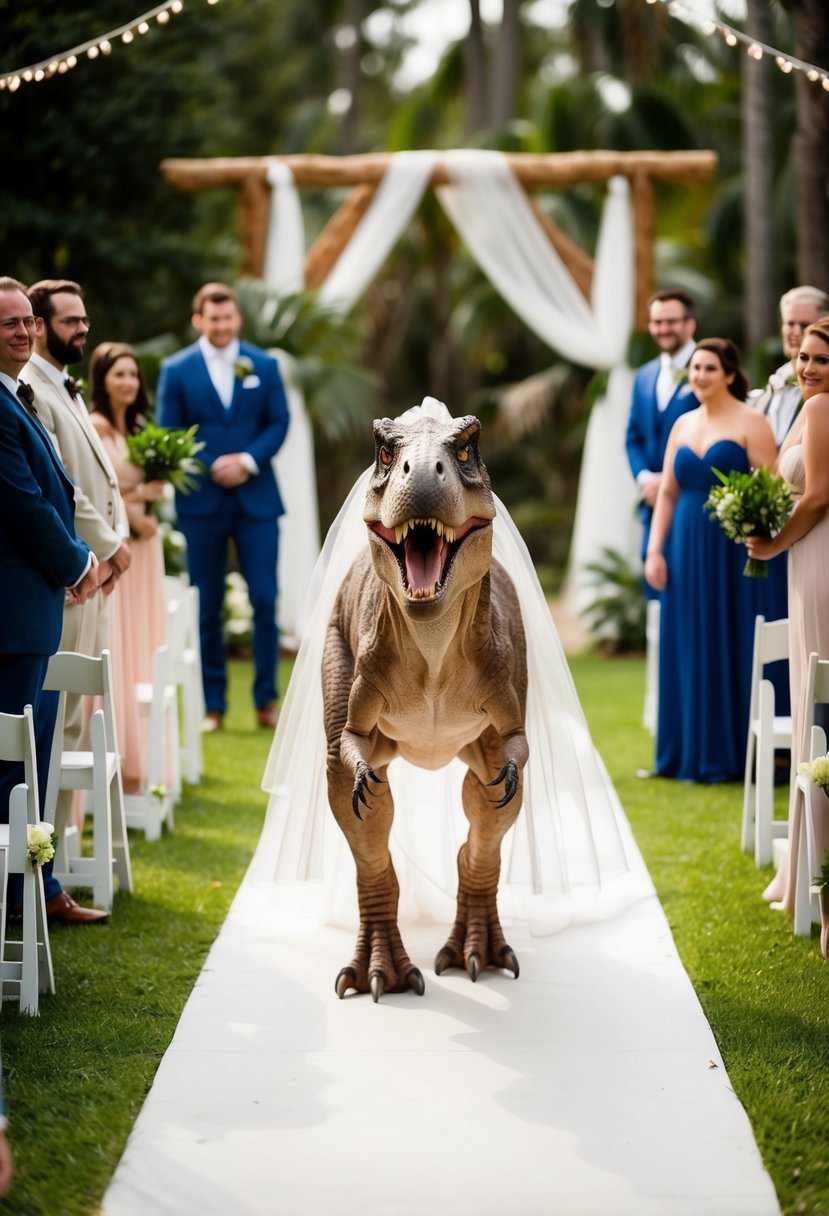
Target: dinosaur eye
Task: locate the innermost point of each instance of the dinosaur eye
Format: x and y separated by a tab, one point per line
463	454
385	457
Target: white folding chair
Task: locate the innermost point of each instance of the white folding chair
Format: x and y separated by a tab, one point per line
97	769
25	962
810	806
767	732
650	710
152	809
186	673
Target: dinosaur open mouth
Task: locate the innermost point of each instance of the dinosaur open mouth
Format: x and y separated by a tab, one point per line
425	550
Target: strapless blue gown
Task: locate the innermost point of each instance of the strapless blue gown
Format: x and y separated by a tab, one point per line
707	630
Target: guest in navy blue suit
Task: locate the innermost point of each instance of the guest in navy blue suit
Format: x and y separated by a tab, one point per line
661	393
234	392
42	561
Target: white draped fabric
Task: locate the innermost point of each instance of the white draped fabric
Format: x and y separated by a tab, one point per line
493	216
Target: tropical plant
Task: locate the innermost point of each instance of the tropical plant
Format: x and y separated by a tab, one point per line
617	615
324	347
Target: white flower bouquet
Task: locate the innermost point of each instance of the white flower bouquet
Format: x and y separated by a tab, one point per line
167	454
816	770
40	842
750	504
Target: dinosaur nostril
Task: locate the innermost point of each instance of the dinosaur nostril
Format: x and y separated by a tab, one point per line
406	467
439	468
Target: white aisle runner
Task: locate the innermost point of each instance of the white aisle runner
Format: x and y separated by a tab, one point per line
590	1086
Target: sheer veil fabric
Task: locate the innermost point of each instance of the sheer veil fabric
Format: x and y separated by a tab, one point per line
565	859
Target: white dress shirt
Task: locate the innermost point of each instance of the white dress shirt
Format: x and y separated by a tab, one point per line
220	361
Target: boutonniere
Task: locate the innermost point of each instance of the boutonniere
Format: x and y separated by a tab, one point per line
791	379
680	375
242	367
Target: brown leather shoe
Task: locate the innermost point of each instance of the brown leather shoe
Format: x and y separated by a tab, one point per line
212	722
268	716
62	907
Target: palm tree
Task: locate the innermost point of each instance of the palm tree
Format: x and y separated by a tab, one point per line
811	144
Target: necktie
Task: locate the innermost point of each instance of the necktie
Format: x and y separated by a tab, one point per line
72	386
26	394
665	383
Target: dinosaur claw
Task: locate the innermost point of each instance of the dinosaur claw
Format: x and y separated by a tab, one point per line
355	806
415	980
508	961
509	775
345	980
473	965
377	986
443	959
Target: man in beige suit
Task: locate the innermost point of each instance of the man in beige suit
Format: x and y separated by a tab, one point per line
100	517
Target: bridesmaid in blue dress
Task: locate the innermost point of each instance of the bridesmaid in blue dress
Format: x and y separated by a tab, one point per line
708	605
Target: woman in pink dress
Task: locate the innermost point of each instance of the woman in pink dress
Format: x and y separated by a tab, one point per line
804	462
119	407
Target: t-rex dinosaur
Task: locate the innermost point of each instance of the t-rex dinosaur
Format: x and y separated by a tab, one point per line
425	658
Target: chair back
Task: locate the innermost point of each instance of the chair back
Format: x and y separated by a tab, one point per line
84	675
817	693
17	744
771	643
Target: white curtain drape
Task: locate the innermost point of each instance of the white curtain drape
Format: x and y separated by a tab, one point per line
492	215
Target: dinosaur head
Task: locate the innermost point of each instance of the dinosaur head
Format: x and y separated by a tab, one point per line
429	511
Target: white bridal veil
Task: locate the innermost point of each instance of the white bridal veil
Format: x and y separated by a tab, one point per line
563	860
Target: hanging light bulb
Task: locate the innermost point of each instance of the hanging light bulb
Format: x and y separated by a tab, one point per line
755	51
127	37
163	17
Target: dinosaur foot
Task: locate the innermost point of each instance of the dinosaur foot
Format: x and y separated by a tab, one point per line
477	940
380	964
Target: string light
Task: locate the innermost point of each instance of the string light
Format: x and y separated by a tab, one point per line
757	50
93	49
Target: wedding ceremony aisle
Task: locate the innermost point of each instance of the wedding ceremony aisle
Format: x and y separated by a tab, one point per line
590	1086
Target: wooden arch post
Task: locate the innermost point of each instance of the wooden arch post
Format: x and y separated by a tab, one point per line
555	170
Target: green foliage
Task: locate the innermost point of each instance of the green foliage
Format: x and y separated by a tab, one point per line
168	454
617	615
339	392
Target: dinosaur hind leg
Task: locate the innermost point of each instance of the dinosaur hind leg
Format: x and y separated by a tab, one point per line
477	940
380	963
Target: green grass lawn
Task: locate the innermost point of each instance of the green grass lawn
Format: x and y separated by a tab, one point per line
77	1075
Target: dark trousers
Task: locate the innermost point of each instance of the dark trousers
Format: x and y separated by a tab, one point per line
257	547
21	684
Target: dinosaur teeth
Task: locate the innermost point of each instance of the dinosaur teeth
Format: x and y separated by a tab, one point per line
401	531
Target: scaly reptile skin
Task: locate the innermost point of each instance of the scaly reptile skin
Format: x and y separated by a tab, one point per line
425	658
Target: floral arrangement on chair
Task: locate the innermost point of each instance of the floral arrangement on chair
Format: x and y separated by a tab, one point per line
40	842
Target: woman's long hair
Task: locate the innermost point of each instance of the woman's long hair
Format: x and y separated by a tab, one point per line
729	357
103	357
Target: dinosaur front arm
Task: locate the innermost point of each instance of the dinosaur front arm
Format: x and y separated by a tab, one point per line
365	704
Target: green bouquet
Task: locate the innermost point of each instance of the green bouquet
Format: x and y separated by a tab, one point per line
750	504
166	454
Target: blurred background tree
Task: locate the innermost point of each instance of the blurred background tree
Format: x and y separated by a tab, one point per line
81	195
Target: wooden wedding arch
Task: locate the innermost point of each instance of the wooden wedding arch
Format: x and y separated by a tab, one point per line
544	171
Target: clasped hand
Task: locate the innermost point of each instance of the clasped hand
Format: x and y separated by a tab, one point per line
229	471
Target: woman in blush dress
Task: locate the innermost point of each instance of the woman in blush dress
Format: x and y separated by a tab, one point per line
708	604
119	406
804	462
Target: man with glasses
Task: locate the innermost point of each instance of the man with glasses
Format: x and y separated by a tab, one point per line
660	395
43	562
100	516
781	400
